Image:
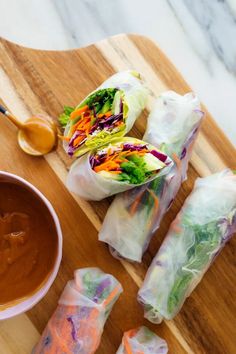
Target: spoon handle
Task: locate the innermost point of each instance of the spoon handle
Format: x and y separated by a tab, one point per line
12	118
3	110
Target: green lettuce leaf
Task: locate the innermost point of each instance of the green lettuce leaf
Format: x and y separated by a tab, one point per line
207	239
65	116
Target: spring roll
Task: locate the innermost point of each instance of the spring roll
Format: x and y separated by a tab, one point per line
134	216
108	112
142	341
119	166
84	306
205	223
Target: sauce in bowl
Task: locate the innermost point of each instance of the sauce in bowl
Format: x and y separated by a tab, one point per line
28	243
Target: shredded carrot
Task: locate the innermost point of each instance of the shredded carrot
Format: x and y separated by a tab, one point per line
108	114
100	115
156	200
127	335
131	333
114	159
176	160
78	112
78	140
106	166
143	152
82	123
135	204
66	138
127	346
111	295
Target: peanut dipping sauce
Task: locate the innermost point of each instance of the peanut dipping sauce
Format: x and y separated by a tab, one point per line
28	243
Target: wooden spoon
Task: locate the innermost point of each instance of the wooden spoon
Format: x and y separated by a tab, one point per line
37	135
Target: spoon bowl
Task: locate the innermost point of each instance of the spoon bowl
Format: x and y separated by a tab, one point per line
38	136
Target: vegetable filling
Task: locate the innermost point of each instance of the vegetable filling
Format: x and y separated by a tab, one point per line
102	111
132	163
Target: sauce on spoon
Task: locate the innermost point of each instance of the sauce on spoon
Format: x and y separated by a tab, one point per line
37	135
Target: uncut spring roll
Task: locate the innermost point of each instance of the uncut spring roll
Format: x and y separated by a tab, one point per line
205	223
134	216
119	166
142	341
108	112
84	306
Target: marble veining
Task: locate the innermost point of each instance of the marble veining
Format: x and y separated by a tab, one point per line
199	37
218	24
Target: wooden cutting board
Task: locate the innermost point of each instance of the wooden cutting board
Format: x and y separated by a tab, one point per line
33	81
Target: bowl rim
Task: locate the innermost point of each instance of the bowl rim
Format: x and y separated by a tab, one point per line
33	299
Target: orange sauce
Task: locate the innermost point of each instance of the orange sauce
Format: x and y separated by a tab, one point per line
28	243
38	135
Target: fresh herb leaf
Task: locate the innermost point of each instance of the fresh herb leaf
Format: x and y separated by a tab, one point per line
134	170
65	116
178	291
100	97
206	241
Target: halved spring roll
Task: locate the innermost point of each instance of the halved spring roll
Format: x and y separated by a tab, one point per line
205	223
134	216
119	166
142	341
84	306
108	112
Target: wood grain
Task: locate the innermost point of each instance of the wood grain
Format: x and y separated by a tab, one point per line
42	82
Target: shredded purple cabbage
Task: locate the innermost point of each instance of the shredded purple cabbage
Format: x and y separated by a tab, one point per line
199	111
73	331
132	147
94	161
162	157
100	289
71	149
183	153
106	123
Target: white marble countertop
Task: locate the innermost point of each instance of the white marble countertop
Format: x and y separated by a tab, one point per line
199	37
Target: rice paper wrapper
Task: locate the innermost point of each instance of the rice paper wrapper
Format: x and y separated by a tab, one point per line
206	221
134	216
77	324
87	184
135	96
142	340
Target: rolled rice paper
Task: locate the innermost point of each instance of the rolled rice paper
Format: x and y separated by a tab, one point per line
119	166
134	216
205	223
142	341
108	112
84	306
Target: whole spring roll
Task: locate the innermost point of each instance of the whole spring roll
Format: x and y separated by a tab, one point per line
77	324
119	166
134	216
142	341
205	223
108	112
